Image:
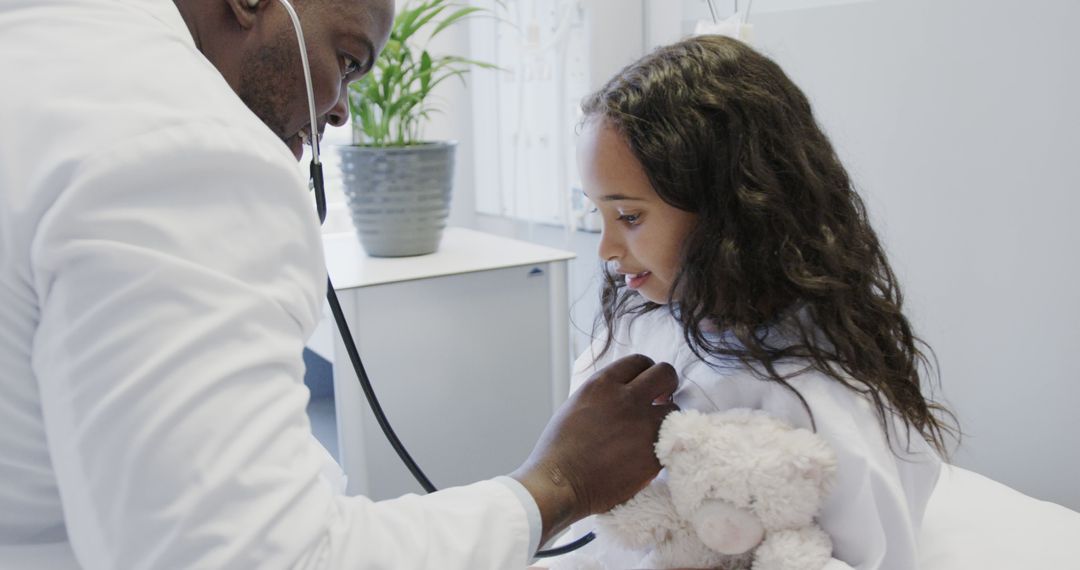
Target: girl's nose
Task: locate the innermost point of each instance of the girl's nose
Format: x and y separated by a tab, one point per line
610	245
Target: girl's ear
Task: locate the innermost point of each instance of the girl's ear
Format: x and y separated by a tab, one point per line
245	11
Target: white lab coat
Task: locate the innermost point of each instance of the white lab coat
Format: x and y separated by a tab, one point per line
160	269
878	500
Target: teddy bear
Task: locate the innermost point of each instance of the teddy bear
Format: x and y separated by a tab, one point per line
739	491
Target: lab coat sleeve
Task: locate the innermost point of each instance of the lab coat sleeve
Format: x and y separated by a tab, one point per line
532	511
177	279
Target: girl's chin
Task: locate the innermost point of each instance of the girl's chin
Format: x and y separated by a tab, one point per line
658	299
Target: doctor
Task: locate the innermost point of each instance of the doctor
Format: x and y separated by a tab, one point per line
160	269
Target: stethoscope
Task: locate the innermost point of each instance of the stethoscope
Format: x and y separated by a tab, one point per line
316	184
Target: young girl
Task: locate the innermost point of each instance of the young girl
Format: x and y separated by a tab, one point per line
737	250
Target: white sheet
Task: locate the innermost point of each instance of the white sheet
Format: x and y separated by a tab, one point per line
973	522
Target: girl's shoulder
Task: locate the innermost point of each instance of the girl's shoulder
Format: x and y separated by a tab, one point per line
715	385
811	400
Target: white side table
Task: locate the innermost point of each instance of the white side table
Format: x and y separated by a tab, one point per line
468	351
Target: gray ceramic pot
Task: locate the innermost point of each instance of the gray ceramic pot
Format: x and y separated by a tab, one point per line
399	196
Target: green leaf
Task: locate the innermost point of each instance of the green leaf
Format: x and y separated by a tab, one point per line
457	15
367	120
387	82
456	73
425	68
405	20
409	101
371	91
416	25
390	104
473	62
391	51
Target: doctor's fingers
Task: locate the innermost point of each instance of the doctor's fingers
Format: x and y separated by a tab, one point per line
623	370
656	384
661	411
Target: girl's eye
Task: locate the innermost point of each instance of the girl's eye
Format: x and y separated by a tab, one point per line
630	219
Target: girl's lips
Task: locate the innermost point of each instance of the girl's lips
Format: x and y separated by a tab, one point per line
636	280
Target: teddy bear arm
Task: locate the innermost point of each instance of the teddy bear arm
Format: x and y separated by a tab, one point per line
647	519
806	548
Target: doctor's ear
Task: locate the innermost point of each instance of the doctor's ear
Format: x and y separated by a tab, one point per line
245	11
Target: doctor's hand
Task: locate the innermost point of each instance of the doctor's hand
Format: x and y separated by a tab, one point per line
597	451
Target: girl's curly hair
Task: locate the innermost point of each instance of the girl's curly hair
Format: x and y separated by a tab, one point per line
721	131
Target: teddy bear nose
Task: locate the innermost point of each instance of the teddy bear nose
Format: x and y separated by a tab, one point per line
726	528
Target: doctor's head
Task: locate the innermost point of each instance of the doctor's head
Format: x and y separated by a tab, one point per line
253	45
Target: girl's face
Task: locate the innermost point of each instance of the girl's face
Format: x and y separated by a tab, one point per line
643	235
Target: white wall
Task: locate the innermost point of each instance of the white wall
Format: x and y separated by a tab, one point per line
960	123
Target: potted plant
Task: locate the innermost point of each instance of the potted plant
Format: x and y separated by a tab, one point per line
399	186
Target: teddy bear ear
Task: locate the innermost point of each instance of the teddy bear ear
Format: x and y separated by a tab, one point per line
681	431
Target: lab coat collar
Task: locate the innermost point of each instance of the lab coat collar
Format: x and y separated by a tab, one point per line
166	12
